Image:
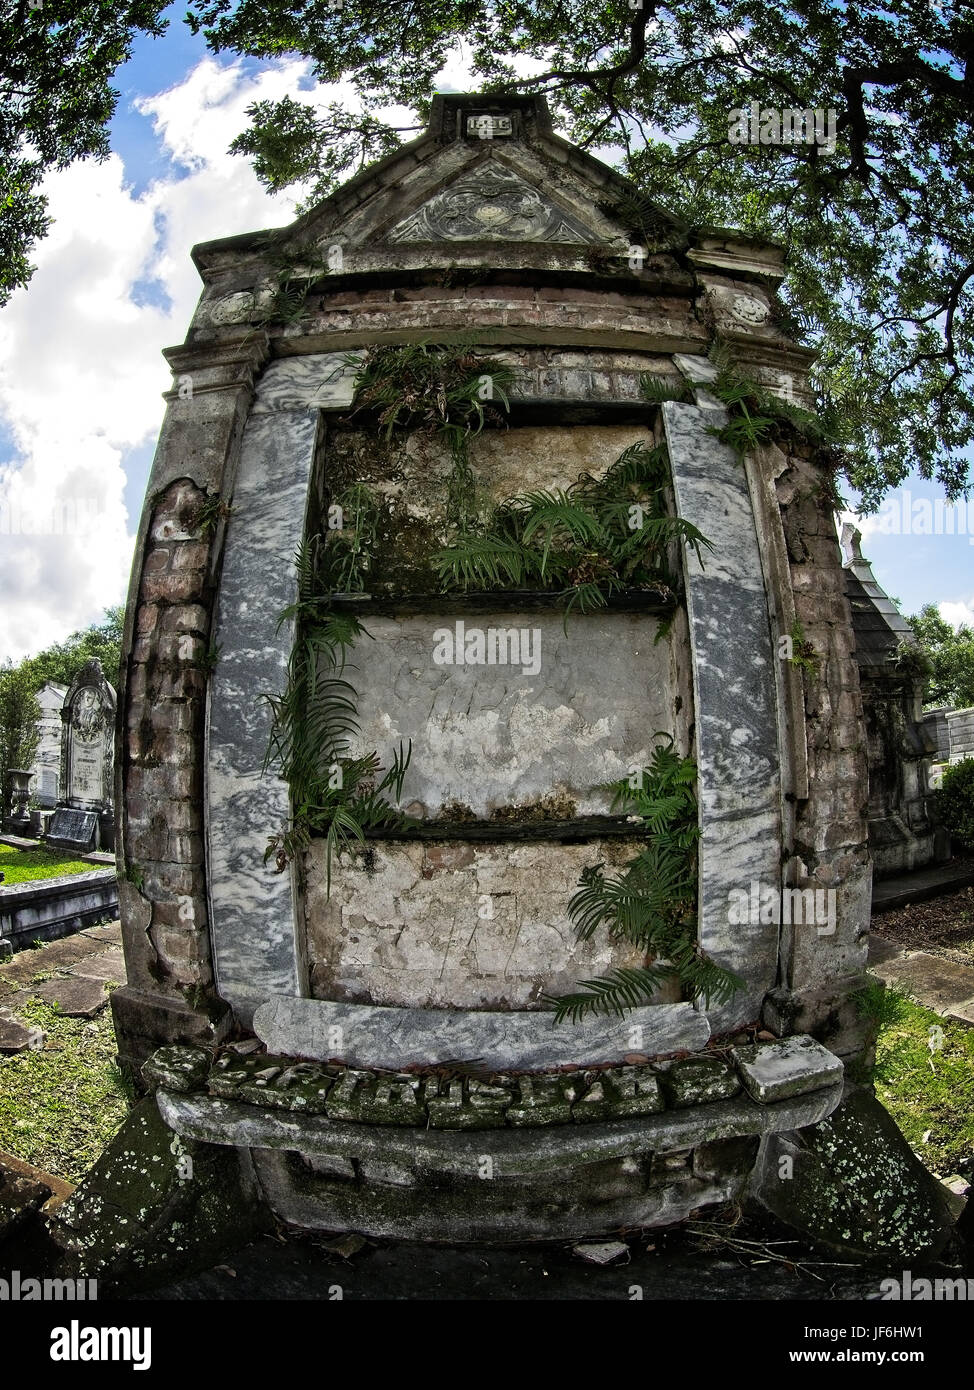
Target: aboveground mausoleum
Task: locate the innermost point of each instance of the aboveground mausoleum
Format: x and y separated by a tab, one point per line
364	1034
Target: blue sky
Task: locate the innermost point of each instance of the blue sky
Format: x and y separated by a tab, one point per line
81	371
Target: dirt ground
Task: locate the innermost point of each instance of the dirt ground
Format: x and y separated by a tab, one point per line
943	926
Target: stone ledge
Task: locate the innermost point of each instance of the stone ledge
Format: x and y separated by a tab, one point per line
49	908
463	1097
392	1038
513	1152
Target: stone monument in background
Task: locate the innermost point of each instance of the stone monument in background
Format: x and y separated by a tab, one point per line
85	819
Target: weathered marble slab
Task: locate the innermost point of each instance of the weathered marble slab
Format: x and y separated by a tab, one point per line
362	1035
492	735
256	947
458	925
735	703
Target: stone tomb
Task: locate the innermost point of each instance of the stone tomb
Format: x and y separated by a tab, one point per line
399	984
87	764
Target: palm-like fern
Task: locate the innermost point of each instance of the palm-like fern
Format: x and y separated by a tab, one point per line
586	542
757	414
431	386
332	793
652	903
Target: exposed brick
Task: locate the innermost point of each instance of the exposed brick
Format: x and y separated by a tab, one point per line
179	880
176	715
136	684
182	685
186	618
186	847
174	947
173	747
171	588
184	783
190	555
145	843
135	741
181	647
156	559
145	620
181	815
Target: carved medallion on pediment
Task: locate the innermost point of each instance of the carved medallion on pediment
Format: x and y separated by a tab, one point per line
490	204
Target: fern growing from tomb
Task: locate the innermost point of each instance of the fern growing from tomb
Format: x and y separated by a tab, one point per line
652	902
586	542
333	794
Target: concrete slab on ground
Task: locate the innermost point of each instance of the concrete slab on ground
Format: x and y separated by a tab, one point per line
14	1037
921	884
943	985
104	965
75	996
109	933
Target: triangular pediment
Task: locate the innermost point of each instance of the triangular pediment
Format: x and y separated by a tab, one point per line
490	202
489	172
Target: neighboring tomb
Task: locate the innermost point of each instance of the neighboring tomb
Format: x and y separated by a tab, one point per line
46	768
937	732
960	734
899	742
84	819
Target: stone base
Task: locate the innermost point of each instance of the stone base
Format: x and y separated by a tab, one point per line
153	1207
393	1201
554	1182
831	1015
852	1187
143	1020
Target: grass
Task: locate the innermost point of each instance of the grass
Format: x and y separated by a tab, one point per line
23	865
61	1104
928	1089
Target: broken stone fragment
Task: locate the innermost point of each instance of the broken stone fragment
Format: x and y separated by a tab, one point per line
478	1105
303	1087
177	1068
777	1070
544	1100
602	1252
697	1081
230	1073
619	1093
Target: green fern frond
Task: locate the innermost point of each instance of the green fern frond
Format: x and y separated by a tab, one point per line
614	993
656	390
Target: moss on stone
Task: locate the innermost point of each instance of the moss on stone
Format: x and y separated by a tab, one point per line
558	806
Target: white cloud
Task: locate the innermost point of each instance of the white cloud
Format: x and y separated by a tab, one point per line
81	373
80	368
958	612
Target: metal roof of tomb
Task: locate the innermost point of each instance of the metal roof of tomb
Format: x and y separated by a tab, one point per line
878	624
